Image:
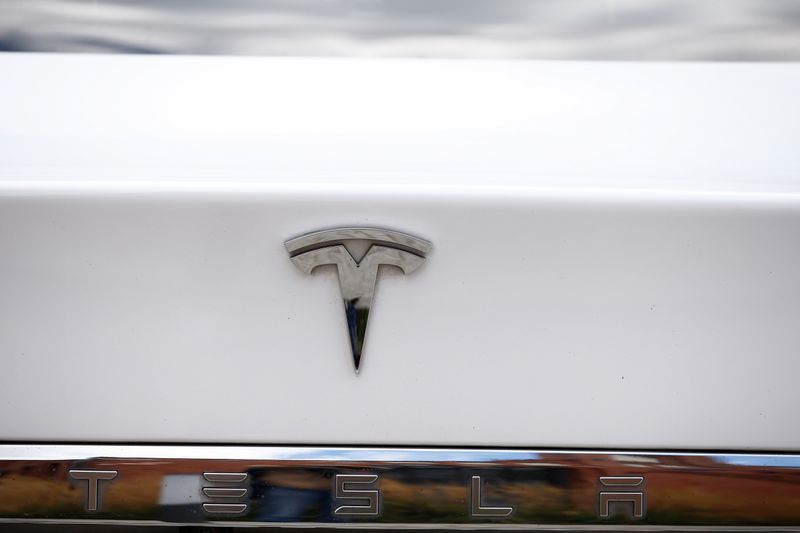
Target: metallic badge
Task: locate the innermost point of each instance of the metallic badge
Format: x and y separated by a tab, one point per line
621	489
345	489
357	254
92	485
226	493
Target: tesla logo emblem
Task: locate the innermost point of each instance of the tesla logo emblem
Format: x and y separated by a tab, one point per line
357	254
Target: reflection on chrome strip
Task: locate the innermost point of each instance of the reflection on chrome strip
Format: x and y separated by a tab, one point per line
730	30
405	488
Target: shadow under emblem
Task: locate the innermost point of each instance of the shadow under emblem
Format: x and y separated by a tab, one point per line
357	276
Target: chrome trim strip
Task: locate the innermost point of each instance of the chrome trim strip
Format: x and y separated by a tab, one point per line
545	528
388	488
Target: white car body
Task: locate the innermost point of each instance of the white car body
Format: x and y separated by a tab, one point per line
616	249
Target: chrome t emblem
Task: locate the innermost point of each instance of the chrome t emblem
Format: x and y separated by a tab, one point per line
358	272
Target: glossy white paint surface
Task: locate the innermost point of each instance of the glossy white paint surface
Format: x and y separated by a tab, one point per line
615	263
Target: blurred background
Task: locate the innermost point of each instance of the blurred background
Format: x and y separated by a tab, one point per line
657	30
